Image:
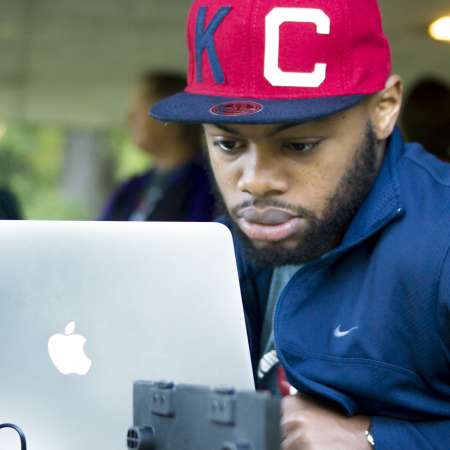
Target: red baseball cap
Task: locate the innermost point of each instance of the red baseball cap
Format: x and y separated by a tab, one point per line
279	61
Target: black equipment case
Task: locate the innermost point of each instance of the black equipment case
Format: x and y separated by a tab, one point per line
183	417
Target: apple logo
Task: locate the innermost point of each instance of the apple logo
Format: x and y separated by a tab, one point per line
67	352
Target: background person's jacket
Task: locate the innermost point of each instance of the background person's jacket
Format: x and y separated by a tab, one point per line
367	326
188	197
9	205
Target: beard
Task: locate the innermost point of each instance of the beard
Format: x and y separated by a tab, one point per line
323	234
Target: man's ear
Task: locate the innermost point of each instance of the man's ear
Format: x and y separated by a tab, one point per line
385	107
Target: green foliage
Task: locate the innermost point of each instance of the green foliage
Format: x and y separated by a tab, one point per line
32	163
130	160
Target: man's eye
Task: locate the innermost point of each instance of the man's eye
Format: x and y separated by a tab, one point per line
227	145
300	147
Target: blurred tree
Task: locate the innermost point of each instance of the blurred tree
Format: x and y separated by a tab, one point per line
46	167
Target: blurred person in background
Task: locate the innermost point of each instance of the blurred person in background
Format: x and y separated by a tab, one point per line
426	116
9	205
177	187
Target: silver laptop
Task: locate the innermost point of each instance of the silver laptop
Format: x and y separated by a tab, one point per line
87	308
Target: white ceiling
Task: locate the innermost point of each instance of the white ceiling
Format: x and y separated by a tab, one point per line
72	61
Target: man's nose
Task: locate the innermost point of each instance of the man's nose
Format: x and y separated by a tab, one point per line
262	174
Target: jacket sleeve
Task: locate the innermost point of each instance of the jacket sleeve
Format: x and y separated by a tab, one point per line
391	434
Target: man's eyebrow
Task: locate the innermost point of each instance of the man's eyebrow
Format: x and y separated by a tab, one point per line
227	129
281	128
272	133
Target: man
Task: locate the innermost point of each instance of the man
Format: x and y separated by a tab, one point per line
177	188
342	231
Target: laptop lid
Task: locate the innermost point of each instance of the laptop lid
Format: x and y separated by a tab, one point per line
87	308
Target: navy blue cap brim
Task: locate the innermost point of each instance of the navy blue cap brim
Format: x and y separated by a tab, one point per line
193	108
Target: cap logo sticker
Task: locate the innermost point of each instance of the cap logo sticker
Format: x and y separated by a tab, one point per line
236	109
272	72
204	40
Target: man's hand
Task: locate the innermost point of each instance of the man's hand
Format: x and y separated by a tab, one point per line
310	425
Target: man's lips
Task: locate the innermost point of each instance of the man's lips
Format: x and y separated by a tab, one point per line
268	224
269	216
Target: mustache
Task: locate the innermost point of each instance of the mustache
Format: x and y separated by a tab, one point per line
296	210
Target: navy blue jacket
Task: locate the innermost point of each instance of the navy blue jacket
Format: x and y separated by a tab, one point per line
389	283
187	198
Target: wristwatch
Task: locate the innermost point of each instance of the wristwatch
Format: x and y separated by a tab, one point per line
370	438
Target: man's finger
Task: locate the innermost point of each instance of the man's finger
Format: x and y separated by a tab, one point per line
291	404
290	424
293	441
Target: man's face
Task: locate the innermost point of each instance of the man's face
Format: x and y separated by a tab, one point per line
146	133
292	190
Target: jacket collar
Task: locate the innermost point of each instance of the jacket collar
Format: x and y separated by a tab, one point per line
383	204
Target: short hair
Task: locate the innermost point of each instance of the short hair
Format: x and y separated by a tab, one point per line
163	83
426	115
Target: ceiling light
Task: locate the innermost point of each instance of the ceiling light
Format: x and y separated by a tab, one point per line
440	29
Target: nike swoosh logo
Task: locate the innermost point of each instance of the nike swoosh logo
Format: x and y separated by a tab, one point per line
339	333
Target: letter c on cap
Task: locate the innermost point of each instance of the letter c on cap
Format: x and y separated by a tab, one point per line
272	71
